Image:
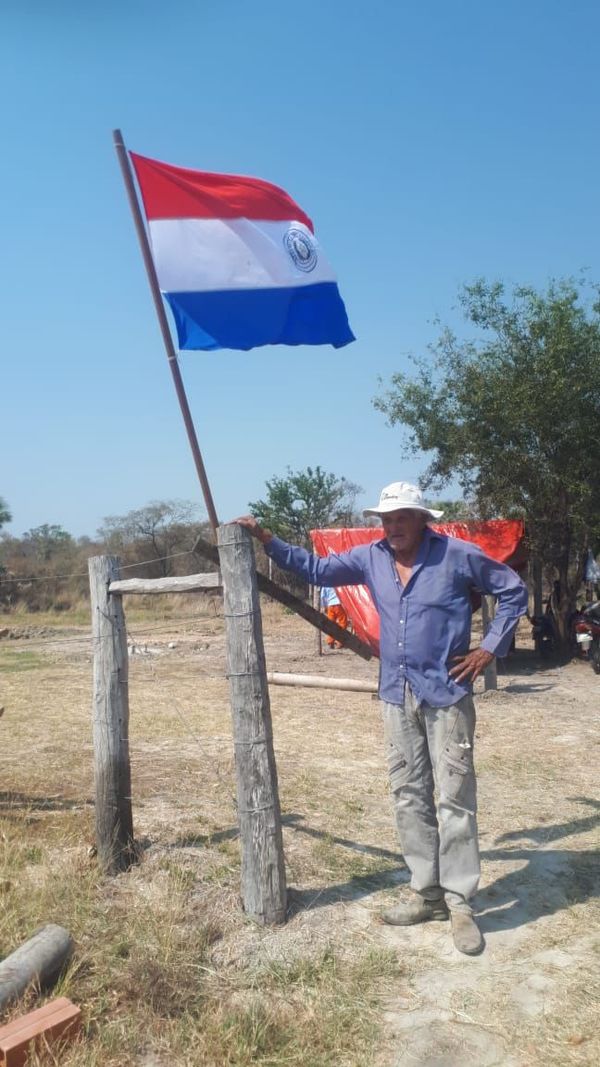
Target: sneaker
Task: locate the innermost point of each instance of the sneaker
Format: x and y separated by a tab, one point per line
419	910
466	934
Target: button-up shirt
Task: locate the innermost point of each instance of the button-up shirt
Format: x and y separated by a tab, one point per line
426	622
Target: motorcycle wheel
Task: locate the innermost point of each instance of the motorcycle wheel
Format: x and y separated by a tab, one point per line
595	657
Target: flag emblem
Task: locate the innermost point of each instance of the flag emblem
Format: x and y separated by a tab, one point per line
301	248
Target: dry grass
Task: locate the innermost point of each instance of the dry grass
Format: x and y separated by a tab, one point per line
168	971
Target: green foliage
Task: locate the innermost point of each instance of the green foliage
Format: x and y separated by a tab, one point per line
43	542
44	570
455	510
306	500
5	515
513	414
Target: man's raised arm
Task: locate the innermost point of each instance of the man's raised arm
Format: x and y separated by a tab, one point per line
344	569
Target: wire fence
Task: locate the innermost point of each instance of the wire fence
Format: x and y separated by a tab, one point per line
19	579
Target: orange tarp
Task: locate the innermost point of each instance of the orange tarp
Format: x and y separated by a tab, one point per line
502	539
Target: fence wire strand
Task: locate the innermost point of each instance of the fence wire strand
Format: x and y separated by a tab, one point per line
17	580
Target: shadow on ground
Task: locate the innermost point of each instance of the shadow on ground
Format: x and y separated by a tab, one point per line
22	806
548	879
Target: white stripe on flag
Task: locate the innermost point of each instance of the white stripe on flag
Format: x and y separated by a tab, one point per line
195	255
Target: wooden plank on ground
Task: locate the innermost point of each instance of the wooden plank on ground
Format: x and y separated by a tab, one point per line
316	681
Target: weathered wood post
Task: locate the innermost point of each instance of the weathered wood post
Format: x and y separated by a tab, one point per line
488	610
110	713
316	603
263	871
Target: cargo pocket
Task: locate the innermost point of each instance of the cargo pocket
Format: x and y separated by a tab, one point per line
398	769
457	777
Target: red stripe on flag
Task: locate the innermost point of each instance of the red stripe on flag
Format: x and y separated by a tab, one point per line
178	193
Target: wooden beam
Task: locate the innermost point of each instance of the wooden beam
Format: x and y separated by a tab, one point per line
207	551
315	681
187	583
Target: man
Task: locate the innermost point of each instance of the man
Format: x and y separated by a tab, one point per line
332	606
421	583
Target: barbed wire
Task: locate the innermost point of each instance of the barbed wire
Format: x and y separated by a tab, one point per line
131	637
84	574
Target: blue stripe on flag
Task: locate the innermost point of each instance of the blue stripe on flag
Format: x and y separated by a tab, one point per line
245	318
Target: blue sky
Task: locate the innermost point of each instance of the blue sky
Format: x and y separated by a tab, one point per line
430	142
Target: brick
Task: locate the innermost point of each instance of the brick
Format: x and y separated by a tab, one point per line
58	1018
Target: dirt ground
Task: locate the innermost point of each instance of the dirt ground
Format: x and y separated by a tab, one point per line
530	999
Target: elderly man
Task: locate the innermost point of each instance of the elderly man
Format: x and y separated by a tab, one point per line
421	583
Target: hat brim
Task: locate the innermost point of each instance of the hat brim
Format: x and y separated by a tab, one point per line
384	509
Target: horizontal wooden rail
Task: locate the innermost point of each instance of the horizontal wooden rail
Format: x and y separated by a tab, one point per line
315	681
187	583
205	550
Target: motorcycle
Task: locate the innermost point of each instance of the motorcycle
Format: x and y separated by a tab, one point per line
585	631
543	632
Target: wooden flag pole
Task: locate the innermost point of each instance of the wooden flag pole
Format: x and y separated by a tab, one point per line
164	326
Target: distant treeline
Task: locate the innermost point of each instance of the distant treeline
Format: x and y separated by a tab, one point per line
46	568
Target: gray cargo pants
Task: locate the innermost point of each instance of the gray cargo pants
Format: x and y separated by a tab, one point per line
426	748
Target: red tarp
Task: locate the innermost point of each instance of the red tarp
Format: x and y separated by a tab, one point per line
502	539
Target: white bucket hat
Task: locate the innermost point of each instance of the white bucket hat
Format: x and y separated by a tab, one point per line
401	495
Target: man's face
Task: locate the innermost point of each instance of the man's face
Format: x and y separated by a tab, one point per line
404	529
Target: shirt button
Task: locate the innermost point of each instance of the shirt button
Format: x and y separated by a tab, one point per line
402	622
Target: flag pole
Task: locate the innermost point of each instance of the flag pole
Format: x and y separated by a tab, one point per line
164	325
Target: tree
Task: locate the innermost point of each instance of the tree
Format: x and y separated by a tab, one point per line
513	414
305	500
5	515
456	510
45	569
155	532
43	542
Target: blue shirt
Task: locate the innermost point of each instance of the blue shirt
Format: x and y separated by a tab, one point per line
427	622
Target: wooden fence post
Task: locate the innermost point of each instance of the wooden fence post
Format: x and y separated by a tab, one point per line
316	603
488	610
110	712
263	887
